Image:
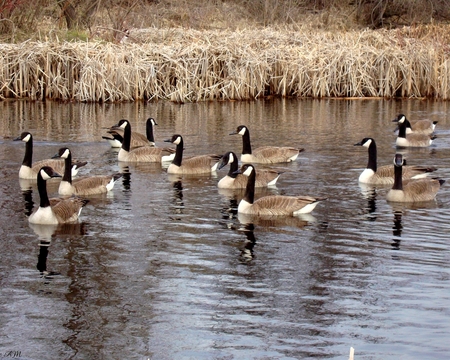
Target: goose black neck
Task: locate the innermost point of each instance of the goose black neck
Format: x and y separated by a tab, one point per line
28	158
126	144
233	168
372	162
67	176
149	132
178	153
42	189
249	195
398	183
246	146
402	130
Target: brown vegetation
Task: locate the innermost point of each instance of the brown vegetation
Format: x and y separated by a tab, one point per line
210	50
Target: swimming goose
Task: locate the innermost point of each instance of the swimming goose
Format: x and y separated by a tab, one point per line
238	181
413	139
86	186
58	211
384	175
414	190
272	205
115	137
265	154
419	127
28	170
200	164
143	153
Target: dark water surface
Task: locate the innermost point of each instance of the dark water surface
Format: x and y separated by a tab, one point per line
163	268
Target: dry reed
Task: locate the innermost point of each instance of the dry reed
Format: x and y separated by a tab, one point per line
185	65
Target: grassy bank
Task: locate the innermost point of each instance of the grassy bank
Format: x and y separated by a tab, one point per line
186	65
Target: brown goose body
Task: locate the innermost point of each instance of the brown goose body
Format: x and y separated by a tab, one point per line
273	205
143	153
265	154
384	175
413	139
413	191
232	180
29	171
55	211
200	164
92	185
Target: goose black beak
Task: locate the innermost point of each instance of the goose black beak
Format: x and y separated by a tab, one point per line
232	133
221	165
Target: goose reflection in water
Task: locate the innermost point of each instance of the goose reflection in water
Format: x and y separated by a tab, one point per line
177	200
369	192
126	176
45	235
298	221
397	229
247	253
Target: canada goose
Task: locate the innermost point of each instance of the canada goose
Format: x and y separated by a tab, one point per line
384	175
199	164
85	186
413	139
238	181
115	137
30	171
58	211
413	190
265	154
272	205
143	153
419	127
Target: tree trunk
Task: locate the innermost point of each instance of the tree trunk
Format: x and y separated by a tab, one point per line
69	13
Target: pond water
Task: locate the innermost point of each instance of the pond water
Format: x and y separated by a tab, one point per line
163	268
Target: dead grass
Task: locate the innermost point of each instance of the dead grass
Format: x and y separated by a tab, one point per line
185	65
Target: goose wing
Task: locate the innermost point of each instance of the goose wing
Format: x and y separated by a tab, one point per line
387	171
281	205
94	184
423	126
275	154
201	163
69	210
422	189
265	177
148	154
55	164
420	140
